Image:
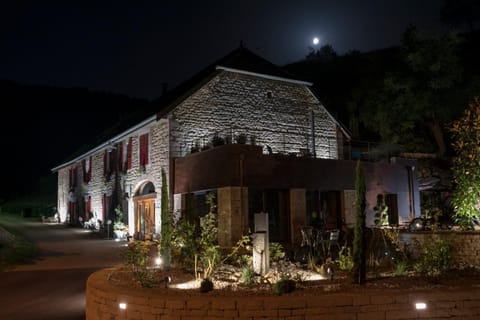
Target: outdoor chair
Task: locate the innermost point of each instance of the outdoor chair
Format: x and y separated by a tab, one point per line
334	240
308	236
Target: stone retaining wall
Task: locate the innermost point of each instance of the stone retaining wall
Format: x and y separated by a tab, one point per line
103	299
465	245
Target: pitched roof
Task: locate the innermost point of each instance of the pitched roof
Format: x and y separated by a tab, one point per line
239	59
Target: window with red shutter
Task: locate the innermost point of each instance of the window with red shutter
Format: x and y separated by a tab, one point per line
88	208
104	207
144	150
111	166
84	171
129	154
74	179
120	157
105	164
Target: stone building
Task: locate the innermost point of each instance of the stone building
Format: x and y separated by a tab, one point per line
250	133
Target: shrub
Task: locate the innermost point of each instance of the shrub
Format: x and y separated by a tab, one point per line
284	285
345	259
137	257
276	251
217	141
241	138
435	256
118	224
400	269
209	252
248	276
206	285
184	244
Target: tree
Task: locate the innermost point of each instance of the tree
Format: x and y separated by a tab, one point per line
420	95
359	245
466	170
325	54
461	12
166	232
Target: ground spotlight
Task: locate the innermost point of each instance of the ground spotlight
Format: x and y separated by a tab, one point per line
420	306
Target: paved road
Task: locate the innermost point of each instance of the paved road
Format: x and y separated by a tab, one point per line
53	287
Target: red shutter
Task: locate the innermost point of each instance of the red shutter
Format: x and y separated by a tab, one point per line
75	174
111	167
104	207
144	149
89	208
141	152
120	157
105	163
84	170
129	154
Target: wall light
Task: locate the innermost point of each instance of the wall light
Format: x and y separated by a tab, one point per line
122	305
420	306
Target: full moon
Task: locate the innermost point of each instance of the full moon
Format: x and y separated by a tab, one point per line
315	41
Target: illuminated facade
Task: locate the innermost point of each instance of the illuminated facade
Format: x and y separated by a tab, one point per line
240	108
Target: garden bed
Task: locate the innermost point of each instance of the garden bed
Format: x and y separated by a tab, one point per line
455	296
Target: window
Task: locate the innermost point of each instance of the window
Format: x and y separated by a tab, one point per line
108	163
143	150
90	168
72	178
87	169
106	206
121	157
88	208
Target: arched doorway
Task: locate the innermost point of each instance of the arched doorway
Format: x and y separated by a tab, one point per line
144	200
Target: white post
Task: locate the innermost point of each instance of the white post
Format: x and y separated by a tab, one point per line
261	254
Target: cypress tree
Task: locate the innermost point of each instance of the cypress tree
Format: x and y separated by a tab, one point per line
166	232
359	263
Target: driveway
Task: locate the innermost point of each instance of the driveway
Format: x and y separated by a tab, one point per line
53	287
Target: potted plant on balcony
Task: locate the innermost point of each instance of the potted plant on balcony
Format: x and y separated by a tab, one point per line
241	138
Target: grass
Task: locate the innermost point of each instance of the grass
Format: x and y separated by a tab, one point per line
18	251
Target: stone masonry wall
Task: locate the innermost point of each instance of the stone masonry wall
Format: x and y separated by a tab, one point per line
130	182
103	299
62	193
277	113
465	245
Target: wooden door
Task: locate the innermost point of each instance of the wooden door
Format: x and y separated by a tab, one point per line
145	218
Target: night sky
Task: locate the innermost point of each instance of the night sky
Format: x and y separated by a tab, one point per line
132	47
